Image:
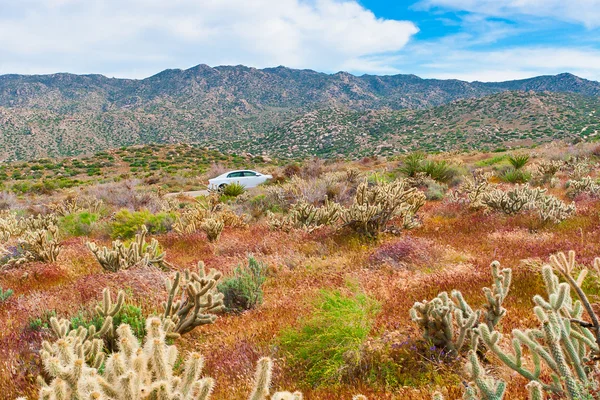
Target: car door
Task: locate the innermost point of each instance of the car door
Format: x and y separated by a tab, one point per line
252	178
236	177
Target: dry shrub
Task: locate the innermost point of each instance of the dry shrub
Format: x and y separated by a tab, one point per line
406	252
127	194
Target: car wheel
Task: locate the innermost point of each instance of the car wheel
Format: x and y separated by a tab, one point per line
222	187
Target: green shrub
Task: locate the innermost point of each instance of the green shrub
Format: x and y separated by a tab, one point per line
518	161
515	176
128	223
5	294
129	314
439	171
338	326
234	189
243	291
412	164
80	224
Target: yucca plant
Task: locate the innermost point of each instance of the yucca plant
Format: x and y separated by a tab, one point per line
518	161
412	164
234	189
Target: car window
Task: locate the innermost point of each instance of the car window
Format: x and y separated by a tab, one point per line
235	175
249	173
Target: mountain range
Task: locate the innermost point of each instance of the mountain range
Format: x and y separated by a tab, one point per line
278	110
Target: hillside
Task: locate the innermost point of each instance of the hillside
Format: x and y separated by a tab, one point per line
501	120
65	114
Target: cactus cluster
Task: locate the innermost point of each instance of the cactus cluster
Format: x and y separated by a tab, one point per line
306	216
448	322
137	253
584	185
42	244
525	198
193	300
213	227
375	206
564	343
472	189
12	226
75	205
563	351
481	385
136	372
210	218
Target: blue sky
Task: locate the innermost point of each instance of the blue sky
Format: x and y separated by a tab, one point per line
488	40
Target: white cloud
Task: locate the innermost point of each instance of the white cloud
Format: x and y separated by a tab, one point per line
512	63
105	36
586	12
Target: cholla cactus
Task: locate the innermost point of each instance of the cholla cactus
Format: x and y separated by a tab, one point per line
192	219
89	342
132	373
520	198
551	209
473	189
547	168
525	198
306	216
11	226
564	342
137	372
38	222
193	301
374	206
495	296
482	386
583	185
213	228
76	205
438	317
42	244
137	253
448	322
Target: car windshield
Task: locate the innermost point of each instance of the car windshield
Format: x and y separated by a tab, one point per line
235	175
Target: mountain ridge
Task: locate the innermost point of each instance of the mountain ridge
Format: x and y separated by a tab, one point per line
70	114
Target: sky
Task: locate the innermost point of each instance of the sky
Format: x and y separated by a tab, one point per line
485	40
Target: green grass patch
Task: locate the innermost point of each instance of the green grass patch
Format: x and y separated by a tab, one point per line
128	223
339	324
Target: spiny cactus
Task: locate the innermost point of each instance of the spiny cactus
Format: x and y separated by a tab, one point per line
563	342
472	190
552	209
439	319
482	386
213	228
137	253
193	301
583	185
42	244
190	219
495	296
89	342
137	372
448	321
547	168
511	202
132	373
75	205
306	216
11	226
374	206
525	198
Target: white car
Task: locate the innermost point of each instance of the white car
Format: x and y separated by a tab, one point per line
246	178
